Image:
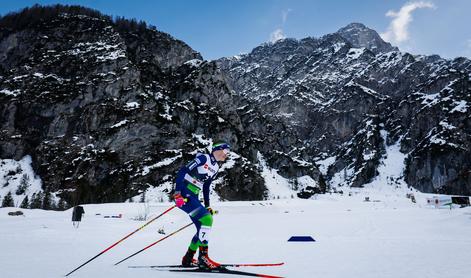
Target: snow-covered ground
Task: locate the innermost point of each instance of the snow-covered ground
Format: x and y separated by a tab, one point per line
387	237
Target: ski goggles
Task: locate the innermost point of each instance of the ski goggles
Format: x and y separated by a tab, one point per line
221	146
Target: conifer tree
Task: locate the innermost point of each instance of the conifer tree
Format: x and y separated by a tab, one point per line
25	202
47	202
8	201
24	184
36	200
61	205
143	197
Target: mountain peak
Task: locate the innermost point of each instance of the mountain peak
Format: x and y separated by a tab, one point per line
354	26
361	36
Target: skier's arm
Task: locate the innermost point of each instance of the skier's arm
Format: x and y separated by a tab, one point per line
206	193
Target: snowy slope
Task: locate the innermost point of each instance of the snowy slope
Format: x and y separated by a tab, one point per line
388	237
15	173
391	168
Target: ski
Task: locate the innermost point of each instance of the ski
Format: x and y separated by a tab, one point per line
220	270
223	265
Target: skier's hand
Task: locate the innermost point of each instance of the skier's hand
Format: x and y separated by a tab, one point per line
210	210
179	200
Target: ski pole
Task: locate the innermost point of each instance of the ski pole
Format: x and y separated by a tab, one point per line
121	240
149	246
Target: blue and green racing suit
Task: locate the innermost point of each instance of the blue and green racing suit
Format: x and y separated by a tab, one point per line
197	175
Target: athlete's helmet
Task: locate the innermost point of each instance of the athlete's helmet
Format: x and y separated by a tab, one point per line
221	146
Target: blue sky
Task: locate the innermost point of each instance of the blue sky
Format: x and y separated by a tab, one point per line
218	28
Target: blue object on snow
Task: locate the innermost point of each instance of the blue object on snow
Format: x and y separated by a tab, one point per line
301	238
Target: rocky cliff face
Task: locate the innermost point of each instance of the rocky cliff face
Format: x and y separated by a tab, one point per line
338	93
361	36
109	109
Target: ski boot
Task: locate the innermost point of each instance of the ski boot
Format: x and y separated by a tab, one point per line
188	259
204	261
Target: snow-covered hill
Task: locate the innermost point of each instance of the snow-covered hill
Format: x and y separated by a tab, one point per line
387	237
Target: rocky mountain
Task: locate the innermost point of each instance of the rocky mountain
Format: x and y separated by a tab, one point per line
339	93
109	109
361	36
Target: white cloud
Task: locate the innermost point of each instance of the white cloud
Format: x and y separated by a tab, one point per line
397	31
284	15
277	35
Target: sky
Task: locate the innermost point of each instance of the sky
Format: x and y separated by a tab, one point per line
222	28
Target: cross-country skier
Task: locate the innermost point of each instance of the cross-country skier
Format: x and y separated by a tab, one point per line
197	175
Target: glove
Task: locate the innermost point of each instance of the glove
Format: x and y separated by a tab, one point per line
210	210
179	200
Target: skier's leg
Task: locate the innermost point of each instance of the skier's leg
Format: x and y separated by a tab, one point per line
206	220
188	259
193	208
206	223
195	241
203	221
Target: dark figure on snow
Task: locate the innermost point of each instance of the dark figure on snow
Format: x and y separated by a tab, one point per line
197	175
77	215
